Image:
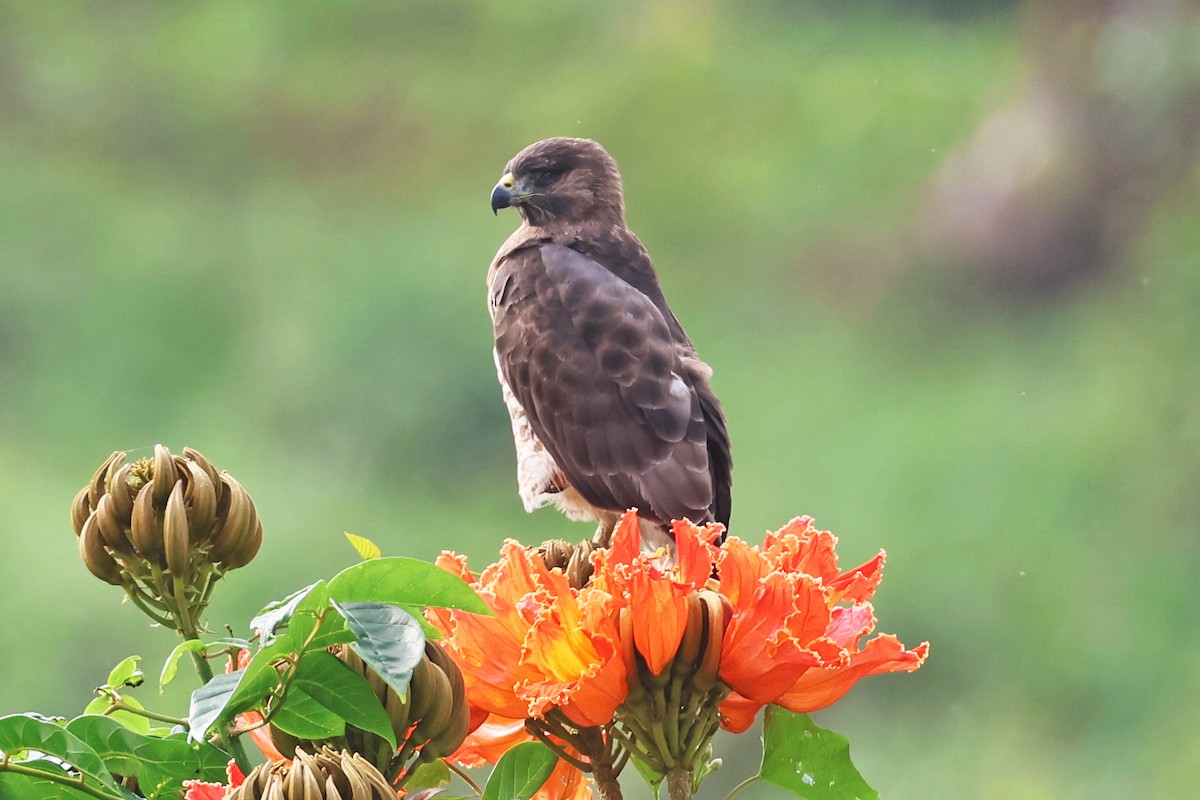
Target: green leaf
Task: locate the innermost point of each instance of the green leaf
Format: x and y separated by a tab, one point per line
333	631
344	692
209	702
278	613
652	778
428	775
126	674
171	665
22	732
36	787
305	718
130	719
520	772
231	693
404	582
261	676
389	639
809	761
160	764
365	548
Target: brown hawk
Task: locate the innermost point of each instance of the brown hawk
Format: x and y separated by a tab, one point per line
611	407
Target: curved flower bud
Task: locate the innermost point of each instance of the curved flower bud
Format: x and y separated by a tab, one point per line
429	722
236	539
98	560
176	544
159	522
327	774
143	529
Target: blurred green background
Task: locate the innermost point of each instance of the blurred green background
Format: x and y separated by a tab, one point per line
941	255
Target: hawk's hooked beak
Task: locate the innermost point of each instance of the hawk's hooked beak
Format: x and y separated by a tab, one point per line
503	194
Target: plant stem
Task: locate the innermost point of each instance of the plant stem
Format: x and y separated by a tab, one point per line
738	789
66	780
117	705
679	783
592	745
462	773
187	629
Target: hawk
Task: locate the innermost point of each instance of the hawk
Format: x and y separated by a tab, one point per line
610	405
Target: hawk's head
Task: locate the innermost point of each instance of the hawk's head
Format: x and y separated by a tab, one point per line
561	180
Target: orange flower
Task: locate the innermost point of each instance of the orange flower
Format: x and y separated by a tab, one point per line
492	739
654	587
203	790
791	633
788	641
547	646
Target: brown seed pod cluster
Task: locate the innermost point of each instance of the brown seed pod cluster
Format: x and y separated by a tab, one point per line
166	518
326	774
429	723
574	559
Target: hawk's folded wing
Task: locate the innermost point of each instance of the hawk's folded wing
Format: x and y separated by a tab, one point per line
605	388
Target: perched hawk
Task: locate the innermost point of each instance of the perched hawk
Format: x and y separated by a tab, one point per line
611	407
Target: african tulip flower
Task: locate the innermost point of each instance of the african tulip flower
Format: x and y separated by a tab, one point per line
657	650
203	790
656	586
791	639
547	646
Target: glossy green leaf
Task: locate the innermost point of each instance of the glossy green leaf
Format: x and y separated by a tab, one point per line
134	721
333	631
160	764
366	549
520	772
209	702
428	775
432	634
231	693
276	614
809	761
389	639
404	582
261	676
305	718
24	732
344	692
126	674
171	665
39	787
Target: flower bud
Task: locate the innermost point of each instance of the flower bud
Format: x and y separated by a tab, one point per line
555	553
95	557
164	474
164	521
430	722
80	510
143	529
574	560
238	536
327	774
111	529
175	532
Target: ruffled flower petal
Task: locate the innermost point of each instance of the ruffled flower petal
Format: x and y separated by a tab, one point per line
547	645
818	688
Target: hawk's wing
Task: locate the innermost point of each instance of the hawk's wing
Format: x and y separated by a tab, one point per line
592	362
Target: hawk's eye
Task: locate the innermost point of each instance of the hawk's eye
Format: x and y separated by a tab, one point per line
543	174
